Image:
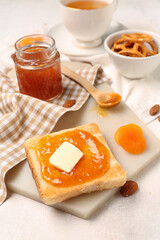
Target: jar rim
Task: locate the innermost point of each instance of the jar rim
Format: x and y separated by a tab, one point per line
52	45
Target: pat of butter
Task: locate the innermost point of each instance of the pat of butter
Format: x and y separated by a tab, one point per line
66	157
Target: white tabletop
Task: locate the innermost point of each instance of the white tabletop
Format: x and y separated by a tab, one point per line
136	217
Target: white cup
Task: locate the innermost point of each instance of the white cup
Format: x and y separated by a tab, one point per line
87	26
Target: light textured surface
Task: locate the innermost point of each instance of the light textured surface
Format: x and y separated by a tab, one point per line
131	218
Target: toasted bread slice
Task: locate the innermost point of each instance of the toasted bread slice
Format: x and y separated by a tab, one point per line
51	194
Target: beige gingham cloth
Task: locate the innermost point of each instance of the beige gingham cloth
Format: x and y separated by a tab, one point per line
23	117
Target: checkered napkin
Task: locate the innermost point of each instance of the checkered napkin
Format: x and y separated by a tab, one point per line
23	117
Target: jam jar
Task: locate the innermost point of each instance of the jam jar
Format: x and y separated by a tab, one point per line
37	65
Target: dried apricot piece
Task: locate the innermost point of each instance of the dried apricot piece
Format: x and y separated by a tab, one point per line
116	136
124	128
130	138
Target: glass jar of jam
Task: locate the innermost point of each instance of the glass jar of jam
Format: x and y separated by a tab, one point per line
37	64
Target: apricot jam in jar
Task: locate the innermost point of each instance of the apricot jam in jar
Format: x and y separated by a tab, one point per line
37	64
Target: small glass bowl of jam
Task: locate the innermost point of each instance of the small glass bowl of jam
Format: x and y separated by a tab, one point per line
37	64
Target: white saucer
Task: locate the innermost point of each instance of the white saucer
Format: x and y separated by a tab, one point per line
65	45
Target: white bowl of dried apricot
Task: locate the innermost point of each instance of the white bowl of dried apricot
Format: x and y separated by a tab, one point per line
135	53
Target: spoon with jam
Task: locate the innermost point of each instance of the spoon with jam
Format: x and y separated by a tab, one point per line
103	99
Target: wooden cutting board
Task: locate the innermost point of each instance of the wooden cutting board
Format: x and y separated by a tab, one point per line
19	179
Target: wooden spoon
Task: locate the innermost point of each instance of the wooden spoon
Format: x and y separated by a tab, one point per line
103	99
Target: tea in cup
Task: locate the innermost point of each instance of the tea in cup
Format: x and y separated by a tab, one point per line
87	21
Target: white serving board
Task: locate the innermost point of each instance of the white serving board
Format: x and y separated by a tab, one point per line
19	179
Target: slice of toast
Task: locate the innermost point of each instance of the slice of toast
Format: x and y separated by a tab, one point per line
50	194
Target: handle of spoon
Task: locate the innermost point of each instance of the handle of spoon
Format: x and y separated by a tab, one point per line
82	81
